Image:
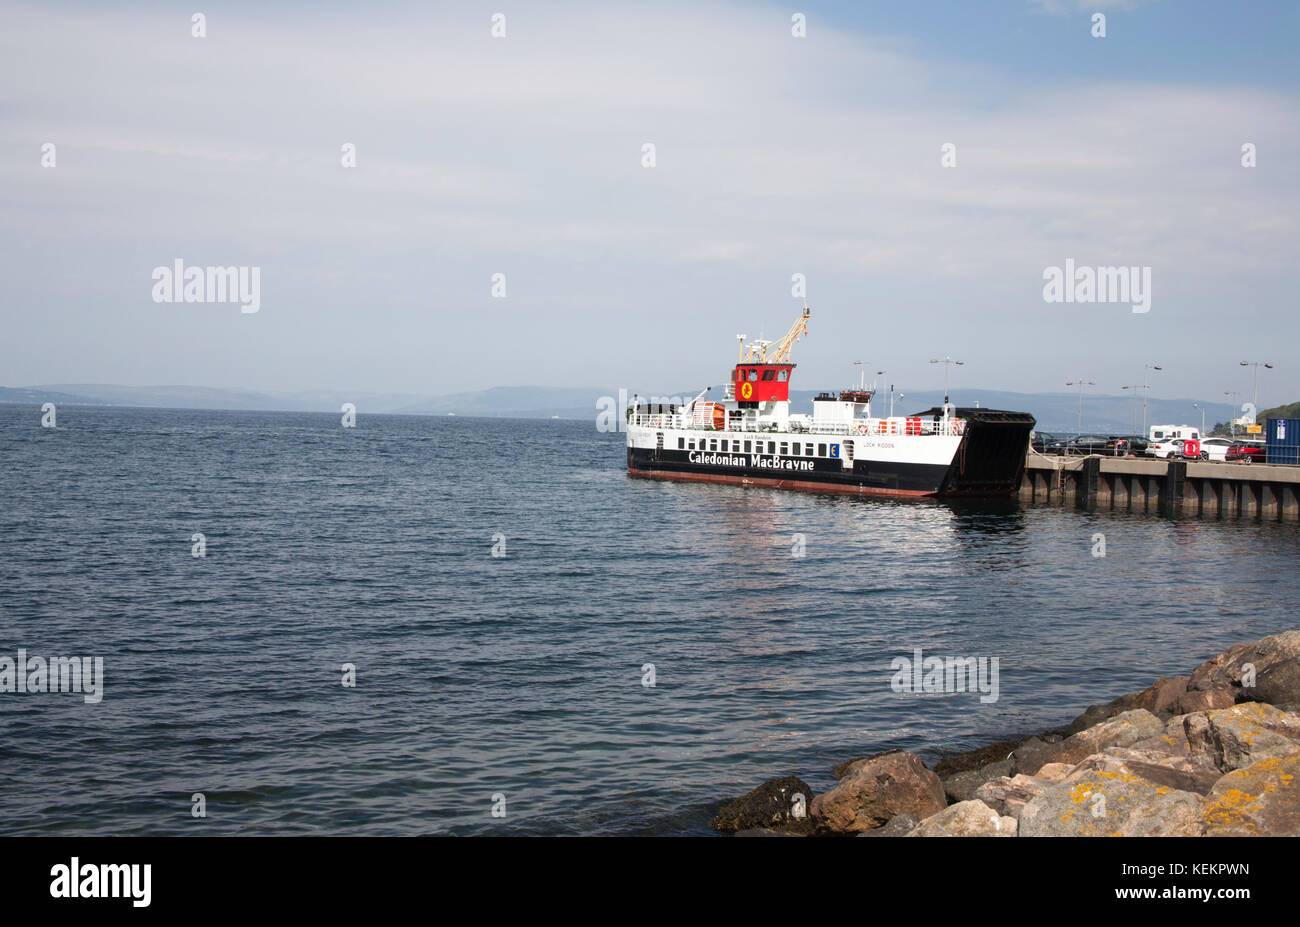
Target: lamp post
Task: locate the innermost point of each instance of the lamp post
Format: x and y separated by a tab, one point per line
862	374
1197	405
1257	365
1135	387
888	386
947	362
1146	392
1232	421
1081	383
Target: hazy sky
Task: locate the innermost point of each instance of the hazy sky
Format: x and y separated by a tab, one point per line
522	156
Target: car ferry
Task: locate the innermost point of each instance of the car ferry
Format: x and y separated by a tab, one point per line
751	438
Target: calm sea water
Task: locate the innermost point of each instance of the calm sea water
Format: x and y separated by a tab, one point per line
523	675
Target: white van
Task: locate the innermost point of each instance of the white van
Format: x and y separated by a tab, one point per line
1169	432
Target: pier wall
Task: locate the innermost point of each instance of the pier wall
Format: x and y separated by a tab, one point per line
1175	488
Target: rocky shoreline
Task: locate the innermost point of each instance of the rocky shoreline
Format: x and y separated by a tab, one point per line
1214	753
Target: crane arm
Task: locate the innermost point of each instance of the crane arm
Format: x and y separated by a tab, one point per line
781	350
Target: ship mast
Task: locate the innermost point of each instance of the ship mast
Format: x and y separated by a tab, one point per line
780	350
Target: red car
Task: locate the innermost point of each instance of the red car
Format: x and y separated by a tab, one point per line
1246	453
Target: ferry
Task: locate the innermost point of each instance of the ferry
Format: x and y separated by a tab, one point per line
751	438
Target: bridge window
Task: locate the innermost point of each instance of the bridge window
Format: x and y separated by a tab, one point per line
771	447
768	374
752	376
713	444
807	449
681	444
747	444
785	448
724	445
821	450
782	376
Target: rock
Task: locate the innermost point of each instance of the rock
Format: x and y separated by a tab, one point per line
1007	795
1169	695
900	825
1244	734
1053	772
1186	773
1259	800
765	832
1276	663
1120	731
1206	700
772	804
1031	754
1102	798
961	786
874	790
1095	714
1162	695
966	819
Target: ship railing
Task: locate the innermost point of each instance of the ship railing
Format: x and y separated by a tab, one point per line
863	427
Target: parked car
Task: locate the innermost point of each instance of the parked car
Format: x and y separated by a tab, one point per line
1166	449
1087	444
1126	445
1247	452
1041	441
1215	448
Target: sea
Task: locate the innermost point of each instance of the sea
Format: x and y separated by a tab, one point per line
450	626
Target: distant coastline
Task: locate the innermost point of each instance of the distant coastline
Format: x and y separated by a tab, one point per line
1056	412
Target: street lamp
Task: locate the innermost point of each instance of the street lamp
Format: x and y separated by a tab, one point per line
1232	421
889	386
1256	365
1081	384
947	363
1197	405
1135	387
1146	369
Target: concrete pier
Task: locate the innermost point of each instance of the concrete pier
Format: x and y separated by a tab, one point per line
1175	488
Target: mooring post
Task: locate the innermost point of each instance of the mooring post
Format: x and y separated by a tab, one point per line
1085	493
1171	493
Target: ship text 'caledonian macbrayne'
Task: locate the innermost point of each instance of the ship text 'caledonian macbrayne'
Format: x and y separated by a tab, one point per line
752	438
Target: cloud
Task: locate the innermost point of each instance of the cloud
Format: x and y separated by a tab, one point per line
523	156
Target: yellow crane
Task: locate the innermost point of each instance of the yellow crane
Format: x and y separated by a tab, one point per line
780	350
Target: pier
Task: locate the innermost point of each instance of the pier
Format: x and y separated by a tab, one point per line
1175	488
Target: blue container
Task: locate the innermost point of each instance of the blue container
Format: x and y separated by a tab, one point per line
1282	440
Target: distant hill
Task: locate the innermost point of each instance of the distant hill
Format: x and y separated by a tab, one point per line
1291	411
1056	412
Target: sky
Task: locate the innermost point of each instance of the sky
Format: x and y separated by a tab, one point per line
774	155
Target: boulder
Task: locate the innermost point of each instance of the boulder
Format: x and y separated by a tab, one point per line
1053	772
1032	753
874	790
1183	772
1095	714
765	832
1102	797
1235	737
961	786
1206	700
900	825
1259	800
1162	696
1276	663
1008	794
1120	731
966	819
772	804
